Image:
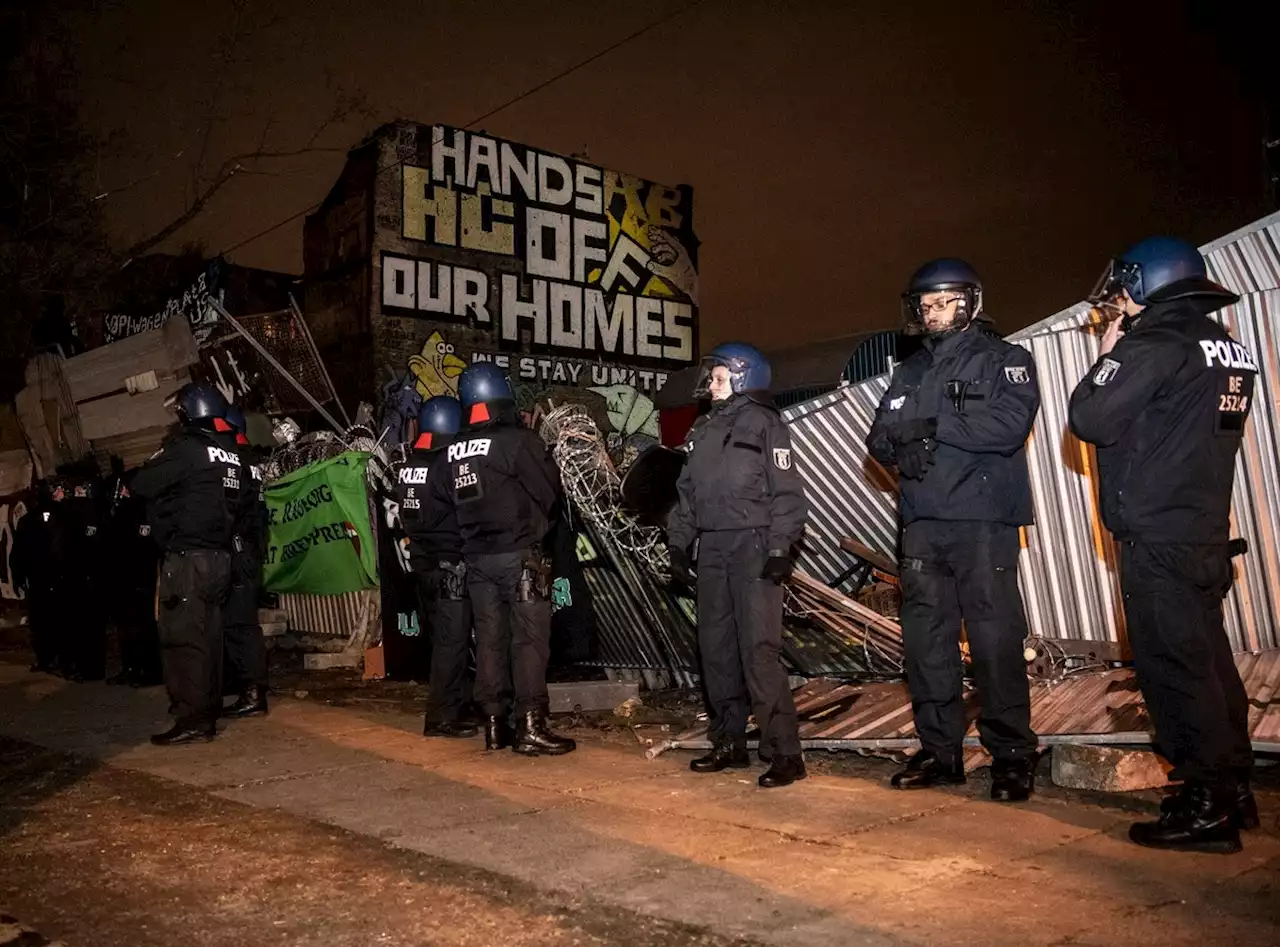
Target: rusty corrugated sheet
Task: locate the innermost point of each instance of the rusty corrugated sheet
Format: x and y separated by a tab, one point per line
1068	569
1097	707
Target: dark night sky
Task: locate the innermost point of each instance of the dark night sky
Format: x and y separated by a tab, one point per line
832	146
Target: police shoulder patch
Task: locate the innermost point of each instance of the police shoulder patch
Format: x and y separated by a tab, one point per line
1017	374
896	403
1107	369
782	458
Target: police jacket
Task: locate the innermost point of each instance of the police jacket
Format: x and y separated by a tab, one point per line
739	475
983	394
432	527
193	487
1167	409
36	559
502	484
251	510
130	551
81	514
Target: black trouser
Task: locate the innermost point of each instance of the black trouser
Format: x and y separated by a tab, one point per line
740	642
135	618
46	615
965	571
513	633
445	609
1173	615
245	648
85	636
193	592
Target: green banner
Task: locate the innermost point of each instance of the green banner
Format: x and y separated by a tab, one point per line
319	539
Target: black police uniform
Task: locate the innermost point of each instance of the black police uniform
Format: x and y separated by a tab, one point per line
435	555
37	563
505	487
244	647
133	561
192	487
978	395
85	636
1167	410
741	498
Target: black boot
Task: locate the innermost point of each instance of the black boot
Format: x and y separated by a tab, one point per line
1246	806
252	703
1013	780
722	756
1199	819
925	769
783	771
186	733
497	735
449	728
534	739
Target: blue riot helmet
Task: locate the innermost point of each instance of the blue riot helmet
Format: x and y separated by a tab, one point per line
198	404
945	275
481	385
1159	269
748	369
235	417
439	416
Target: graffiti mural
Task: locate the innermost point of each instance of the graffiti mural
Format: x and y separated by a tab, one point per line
436	368
12	509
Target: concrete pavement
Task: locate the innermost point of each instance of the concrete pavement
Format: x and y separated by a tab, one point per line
832	860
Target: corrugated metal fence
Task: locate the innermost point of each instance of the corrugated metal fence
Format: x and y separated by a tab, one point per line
1068	568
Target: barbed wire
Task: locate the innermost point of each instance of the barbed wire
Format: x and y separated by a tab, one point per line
592	485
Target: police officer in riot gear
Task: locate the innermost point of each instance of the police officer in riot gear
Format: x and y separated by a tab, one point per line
741	499
193	490
1166	405
244	648
85	635
435	555
37	563
133	558
954	422
504	486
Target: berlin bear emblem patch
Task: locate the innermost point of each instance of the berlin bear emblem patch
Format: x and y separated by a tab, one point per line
1106	371
1017	374
782	458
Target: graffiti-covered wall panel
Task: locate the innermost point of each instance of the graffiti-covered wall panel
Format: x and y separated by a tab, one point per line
582	282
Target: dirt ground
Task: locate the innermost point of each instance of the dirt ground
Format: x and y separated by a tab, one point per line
332	821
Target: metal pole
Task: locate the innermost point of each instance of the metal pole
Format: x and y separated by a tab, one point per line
261	350
315	353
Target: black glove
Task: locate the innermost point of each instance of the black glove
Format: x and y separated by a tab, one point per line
915	458
777	567
915	430
681	569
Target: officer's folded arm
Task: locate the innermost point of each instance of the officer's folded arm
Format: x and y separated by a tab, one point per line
1001	424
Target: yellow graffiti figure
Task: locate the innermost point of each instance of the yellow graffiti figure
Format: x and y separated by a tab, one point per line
437	368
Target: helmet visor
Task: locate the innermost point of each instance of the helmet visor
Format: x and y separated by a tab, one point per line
737	369
1118	277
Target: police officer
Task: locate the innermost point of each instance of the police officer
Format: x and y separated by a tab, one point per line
133	559
1166	405
38	569
505	488
955	421
435	555
192	488
85	635
244	648
741	499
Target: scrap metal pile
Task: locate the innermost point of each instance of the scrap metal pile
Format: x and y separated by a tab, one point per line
646	625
